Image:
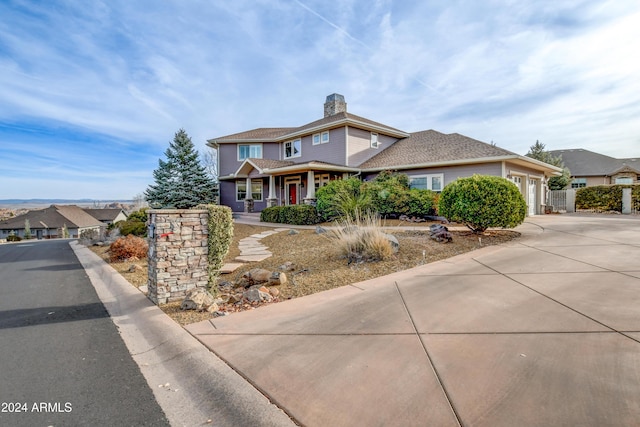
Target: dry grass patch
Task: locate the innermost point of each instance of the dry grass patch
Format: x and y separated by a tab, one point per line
319	263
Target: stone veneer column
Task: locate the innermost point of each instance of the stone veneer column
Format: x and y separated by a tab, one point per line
178	252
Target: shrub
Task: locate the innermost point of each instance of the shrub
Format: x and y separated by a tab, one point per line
605	198
219	239
134	227
362	239
481	202
135	224
291	214
340	198
389	193
13	238
128	247
422	202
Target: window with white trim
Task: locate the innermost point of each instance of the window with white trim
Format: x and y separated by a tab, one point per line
324	138
374	140
316	139
292	148
246	151
241	190
320	180
433	182
624	180
579	183
256	190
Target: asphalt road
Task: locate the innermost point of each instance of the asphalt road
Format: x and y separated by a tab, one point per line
62	361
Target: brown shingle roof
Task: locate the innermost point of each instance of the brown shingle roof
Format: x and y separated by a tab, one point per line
271	164
255	134
276	134
431	146
107	214
55	216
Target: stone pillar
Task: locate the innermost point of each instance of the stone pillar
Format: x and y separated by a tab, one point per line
178	253
626	201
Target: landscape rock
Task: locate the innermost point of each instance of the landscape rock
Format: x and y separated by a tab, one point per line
254	276
254	294
411	219
134	267
274	291
293	232
199	299
287	266
320	230
277	278
395	244
440	233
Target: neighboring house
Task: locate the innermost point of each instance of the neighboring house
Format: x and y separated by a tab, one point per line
107	216
588	168
285	166
49	222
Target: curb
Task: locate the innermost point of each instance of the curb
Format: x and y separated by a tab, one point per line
191	384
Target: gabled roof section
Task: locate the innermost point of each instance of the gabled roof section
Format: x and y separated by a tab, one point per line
583	162
432	147
254	135
284	134
55	216
107	214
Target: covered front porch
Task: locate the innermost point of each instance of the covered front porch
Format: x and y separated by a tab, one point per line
255	188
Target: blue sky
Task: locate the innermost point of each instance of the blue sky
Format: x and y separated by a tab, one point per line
92	92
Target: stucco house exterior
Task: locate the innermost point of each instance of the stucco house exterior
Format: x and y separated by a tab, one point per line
49	222
589	168
282	166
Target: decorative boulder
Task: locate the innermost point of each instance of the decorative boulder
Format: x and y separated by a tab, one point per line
199	299
255	294
277	278
440	233
254	277
395	244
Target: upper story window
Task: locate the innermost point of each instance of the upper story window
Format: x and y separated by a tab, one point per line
374	140
246	151
316	139
427	182
324	138
292	148
579	183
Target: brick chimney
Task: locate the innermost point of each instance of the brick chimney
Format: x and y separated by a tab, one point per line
335	104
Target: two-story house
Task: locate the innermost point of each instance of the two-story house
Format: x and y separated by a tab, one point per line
283	166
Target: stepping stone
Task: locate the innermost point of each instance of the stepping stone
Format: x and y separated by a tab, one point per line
251	258
230	267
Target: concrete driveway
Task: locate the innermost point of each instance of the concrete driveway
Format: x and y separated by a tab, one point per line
543	331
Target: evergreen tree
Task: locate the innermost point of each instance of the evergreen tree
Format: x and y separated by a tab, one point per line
537	151
181	181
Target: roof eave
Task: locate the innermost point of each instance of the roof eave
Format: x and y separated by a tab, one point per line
516	158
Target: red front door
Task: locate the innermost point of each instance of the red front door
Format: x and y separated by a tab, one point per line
292	194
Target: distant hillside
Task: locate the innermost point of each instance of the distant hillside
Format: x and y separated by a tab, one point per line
42	203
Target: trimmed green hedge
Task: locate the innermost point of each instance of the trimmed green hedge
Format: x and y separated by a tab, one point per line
605	198
291	214
219	240
481	201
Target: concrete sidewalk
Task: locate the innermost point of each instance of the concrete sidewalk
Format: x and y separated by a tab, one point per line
542	331
192	385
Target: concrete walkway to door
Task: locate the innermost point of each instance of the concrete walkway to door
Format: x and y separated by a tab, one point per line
541	331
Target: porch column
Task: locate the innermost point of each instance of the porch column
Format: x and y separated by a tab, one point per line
248	201
310	199
271	200
311	185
